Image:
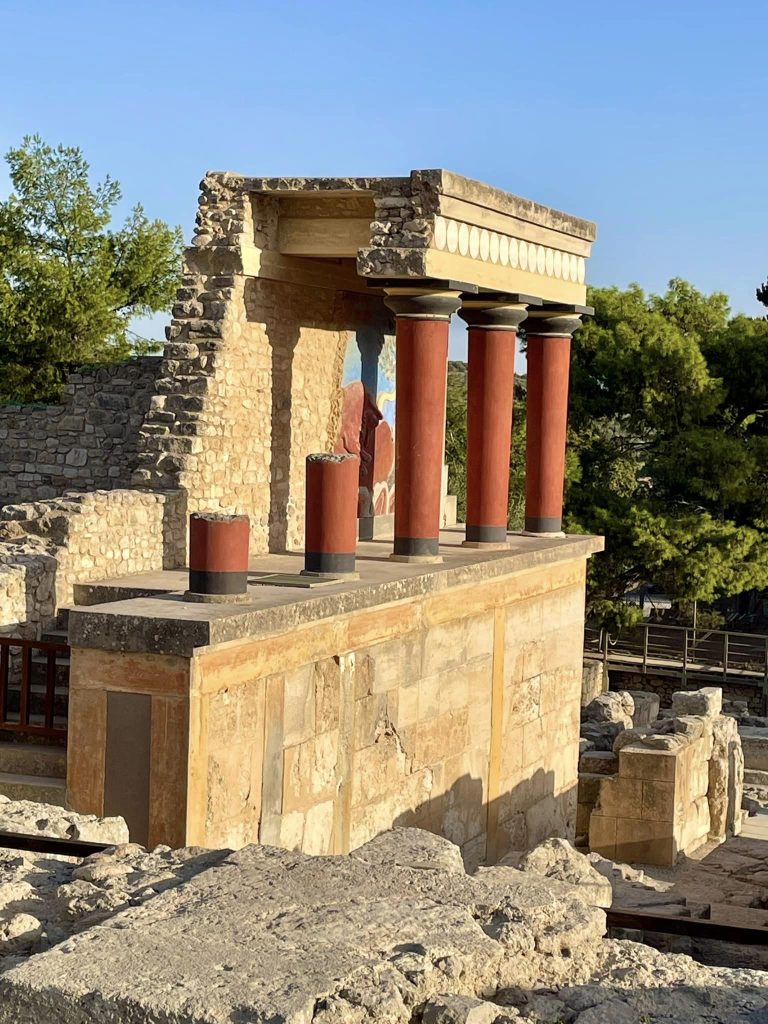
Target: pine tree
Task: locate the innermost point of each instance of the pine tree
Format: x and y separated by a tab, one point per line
70	284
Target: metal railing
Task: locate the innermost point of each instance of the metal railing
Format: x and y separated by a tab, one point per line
678	650
31	686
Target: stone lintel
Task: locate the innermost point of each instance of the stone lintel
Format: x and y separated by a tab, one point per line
165	624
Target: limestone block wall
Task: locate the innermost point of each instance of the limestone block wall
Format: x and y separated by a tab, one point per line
656	808
679	784
457	711
251	378
48	546
87	441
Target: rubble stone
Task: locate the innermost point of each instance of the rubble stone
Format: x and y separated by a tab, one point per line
610	707
646	707
557	859
209	937
706	701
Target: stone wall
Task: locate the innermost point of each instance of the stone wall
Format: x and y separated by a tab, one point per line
456	710
665	686
678	785
48	546
88	441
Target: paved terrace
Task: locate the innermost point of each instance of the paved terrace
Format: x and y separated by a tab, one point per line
146	612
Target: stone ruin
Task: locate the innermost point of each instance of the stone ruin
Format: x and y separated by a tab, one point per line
439	685
651	788
396	932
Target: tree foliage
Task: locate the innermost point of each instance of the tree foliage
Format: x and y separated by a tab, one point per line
669	430
69	283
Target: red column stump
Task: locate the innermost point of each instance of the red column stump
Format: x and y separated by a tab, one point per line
332	483
218	556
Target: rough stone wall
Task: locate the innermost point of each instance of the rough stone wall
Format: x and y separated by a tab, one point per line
664	687
48	546
456	711
251	376
679	784
87	441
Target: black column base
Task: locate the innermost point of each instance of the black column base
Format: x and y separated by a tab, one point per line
419	547
543	524
203	581
329	562
485	534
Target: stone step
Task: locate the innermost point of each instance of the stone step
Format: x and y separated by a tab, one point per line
56	636
34	759
37	788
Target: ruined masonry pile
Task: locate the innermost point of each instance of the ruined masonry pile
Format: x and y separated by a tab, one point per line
395	932
652	789
48	546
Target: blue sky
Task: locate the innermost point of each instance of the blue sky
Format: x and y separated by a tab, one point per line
646	118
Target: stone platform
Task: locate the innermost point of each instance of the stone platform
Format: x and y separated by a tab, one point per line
445	696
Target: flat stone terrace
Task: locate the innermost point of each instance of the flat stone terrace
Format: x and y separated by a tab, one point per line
146	612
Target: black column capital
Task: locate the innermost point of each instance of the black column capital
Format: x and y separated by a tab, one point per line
493	317
556	321
419	304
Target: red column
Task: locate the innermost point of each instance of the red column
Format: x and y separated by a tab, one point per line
422	367
490	388
549	357
330	527
218	556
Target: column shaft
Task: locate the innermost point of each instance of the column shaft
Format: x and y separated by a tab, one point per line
422	362
490	387
547	415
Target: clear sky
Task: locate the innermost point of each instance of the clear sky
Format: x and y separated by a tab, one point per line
648	118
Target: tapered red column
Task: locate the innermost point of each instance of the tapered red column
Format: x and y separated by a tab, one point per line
490	388
422	365
549	358
331	514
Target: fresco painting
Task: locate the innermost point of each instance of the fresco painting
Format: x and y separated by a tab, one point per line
368	418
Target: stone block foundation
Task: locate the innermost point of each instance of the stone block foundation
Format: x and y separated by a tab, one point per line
444	697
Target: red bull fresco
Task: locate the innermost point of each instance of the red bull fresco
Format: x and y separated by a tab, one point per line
368	418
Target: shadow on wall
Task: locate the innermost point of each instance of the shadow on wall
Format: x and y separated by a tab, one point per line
304	386
519	819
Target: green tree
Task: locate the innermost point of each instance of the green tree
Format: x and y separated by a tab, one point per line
669	437
69	283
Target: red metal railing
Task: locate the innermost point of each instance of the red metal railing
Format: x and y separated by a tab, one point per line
34	691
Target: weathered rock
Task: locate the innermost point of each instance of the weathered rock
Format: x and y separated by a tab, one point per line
754	743
205	937
753	777
602	734
593	681
272	935
557	859
646	707
46	819
599	762
20	933
690	726
610	707
412	848
459	1010
726	778
707	701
